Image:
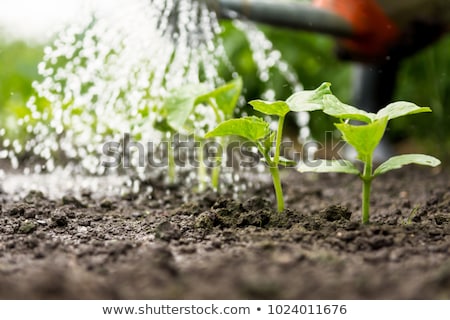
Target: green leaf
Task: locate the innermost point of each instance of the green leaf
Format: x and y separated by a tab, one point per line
335	108
163	126
250	128
309	100
399	161
226	96
180	104
276	108
400	109
364	138
322	166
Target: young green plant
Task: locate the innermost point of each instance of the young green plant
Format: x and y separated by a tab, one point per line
363	137
180	115
257	131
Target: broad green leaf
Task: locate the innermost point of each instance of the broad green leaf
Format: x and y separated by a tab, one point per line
400	109
322	166
180	103
364	138
309	100
399	161
276	108
335	108
250	128
226	96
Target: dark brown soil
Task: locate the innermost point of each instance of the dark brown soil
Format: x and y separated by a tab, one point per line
157	245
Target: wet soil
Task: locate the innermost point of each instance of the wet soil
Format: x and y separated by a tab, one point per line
168	243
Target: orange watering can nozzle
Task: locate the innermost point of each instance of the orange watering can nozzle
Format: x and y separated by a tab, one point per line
375	33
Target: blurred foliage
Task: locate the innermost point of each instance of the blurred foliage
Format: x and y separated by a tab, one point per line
18	69
423	79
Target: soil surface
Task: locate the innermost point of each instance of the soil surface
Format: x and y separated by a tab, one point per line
168	243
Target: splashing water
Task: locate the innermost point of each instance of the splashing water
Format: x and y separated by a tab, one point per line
266	57
108	75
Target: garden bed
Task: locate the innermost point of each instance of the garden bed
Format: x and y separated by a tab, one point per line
166	243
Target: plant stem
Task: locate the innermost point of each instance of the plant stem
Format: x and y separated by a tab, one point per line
171	172
275	172
367	182
277	185
276	158
215	175
215	108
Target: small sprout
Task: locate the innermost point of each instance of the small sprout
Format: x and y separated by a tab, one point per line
411	215
258	131
179	116
364	138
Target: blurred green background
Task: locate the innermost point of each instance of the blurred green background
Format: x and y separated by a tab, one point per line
423	79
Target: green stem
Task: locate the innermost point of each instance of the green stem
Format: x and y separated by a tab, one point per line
277	185
276	158
367	182
215	175
171	172
273	165
215	108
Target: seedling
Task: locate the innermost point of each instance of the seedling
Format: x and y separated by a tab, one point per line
364	138
180	115
258	131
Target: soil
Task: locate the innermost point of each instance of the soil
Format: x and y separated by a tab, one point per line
168	243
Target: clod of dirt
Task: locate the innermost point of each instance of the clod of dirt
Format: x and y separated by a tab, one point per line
71	200
17	211
167	231
34	196
227	213
258	218
115	248
441	219
190	208
59	219
107	204
30	213
27	227
204	221
335	213
256	203
379	241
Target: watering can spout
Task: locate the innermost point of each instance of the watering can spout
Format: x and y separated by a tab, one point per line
299	15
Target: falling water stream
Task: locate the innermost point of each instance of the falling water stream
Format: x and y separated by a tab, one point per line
108	75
